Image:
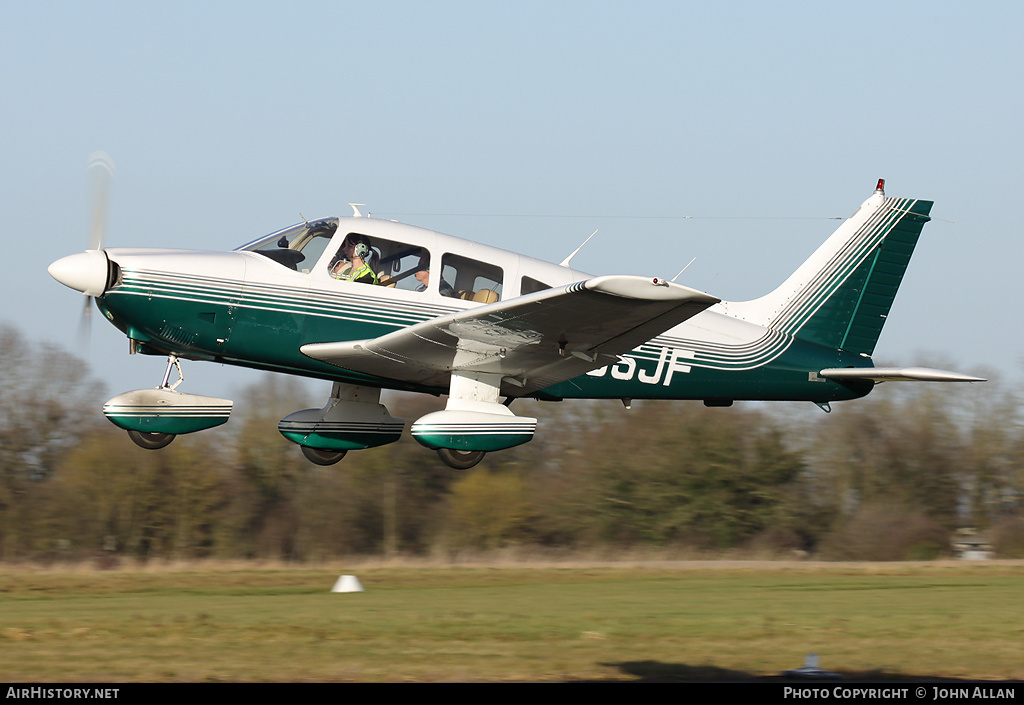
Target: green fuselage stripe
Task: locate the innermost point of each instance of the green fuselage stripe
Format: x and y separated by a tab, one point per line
263	327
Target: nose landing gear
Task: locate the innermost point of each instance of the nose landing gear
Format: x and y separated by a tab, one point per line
153	417
150	441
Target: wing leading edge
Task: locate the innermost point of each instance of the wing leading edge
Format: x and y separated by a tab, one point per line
532	341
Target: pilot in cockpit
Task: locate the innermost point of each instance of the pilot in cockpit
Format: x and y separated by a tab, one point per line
353	262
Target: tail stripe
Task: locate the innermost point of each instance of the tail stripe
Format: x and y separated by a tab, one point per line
796	314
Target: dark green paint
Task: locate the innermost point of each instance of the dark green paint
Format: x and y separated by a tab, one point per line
174	425
461	441
341	441
852	316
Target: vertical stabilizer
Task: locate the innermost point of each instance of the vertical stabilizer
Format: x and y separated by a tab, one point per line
841	295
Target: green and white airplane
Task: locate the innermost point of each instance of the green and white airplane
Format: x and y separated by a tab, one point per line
373	304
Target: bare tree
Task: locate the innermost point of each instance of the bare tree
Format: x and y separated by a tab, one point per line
47	401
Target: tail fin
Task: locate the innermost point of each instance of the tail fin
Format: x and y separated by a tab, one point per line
841	295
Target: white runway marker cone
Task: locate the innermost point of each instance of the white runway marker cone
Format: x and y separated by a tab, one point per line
347	583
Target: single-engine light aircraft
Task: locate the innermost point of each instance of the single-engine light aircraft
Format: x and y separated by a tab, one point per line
373	304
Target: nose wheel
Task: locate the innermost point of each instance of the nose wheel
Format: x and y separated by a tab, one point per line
156	441
460	459
150	441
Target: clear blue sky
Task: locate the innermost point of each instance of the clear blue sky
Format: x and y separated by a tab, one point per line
226	119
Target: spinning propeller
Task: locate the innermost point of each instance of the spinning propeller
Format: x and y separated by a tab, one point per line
89	271
102	169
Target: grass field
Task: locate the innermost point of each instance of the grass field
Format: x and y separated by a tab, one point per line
672	621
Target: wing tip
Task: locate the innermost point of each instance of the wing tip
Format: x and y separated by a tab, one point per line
647	289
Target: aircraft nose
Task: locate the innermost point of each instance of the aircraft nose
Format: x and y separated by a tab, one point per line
85	272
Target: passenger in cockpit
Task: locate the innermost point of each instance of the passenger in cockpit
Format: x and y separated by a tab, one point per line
423	277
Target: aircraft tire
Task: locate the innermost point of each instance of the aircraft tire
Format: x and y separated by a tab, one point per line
151	441
460	459
323	457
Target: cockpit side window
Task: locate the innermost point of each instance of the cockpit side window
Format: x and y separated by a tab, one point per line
298	247
471	279
386	262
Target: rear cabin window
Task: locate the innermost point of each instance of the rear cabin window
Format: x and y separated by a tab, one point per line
470	279
530	285
393	264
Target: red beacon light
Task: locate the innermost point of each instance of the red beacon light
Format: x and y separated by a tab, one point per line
880	187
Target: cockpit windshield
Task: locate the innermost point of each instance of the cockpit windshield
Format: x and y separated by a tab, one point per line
297	247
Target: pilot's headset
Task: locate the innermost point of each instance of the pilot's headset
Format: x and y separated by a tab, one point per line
362	251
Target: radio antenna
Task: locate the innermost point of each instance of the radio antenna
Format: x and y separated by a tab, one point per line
565	262
683	269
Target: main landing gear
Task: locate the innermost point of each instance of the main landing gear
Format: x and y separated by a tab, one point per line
460	459
354	419
323	457
472	423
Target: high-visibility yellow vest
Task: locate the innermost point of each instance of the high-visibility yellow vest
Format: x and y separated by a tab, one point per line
356	275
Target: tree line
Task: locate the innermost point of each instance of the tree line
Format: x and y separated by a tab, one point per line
889	477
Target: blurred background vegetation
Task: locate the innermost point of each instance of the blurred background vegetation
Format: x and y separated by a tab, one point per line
889	477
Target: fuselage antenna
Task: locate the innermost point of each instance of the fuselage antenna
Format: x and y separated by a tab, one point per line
565	262
683	269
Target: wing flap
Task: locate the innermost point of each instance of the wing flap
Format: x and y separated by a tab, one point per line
533	341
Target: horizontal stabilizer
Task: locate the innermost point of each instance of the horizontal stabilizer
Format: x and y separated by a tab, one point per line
897	374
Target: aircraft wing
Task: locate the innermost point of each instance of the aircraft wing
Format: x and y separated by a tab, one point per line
532	341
